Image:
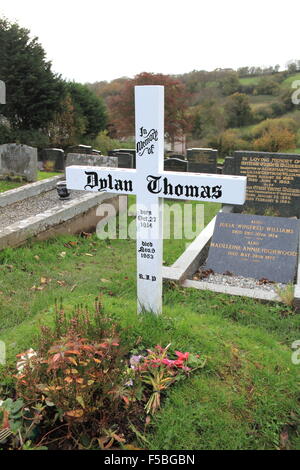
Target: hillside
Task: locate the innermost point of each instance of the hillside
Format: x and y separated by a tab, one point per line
229	110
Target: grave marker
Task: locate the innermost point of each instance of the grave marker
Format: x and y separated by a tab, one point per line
151	184
255	246
273	180
175	164
202	160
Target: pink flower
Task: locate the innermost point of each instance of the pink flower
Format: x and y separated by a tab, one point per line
182	356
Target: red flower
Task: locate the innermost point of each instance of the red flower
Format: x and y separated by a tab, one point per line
182	356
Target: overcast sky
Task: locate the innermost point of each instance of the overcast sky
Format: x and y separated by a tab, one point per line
94	40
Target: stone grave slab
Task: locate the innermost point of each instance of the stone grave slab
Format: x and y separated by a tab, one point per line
90	160
255	246
53	159
125	160
175	164
273	181
202	160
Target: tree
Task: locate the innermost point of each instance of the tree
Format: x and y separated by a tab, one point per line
121	107
89	109
238	111
229	84
33	91
67	126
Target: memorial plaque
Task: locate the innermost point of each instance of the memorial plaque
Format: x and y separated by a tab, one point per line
175	164
202	160
273	180
255	246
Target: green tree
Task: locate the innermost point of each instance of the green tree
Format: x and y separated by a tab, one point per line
34	92
89	109
238	111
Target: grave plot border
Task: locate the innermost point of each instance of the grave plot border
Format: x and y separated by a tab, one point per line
185	266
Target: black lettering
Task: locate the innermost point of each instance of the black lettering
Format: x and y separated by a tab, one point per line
153	184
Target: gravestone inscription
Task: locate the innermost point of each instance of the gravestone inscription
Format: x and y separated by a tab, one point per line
202	160
273	180
255	246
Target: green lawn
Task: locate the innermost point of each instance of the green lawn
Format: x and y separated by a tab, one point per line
288	81
6	185
249	389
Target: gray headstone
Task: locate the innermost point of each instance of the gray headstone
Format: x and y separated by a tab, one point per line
125	160
19	160
53	159
131	151
273	180
175	164
255	246
91	160
202	160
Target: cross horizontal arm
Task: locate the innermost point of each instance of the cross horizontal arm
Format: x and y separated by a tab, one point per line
225	189
103	179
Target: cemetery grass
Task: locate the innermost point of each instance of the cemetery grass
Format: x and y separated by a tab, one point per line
7	185
247	395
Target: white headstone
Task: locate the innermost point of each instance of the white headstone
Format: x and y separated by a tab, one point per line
151	183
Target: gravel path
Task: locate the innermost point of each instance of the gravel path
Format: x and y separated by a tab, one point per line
32	206
236	281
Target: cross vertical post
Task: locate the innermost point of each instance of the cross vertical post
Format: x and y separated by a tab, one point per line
149	124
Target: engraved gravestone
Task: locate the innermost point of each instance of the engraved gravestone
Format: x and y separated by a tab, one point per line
91	160
202	160
53	159
175	164
273	180
125	160
255	246
131	151
19	160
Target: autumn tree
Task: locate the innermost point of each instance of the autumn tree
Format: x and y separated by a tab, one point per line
121	107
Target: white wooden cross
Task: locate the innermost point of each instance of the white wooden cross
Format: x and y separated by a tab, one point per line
150	183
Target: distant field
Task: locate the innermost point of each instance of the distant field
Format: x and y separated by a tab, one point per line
288	81
251	80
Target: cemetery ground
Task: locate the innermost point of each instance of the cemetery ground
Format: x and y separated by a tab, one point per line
247	394
7	185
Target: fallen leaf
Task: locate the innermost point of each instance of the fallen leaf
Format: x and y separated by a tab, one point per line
74	413
73	287
36	257
105	280
62	254
88	254
61	283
